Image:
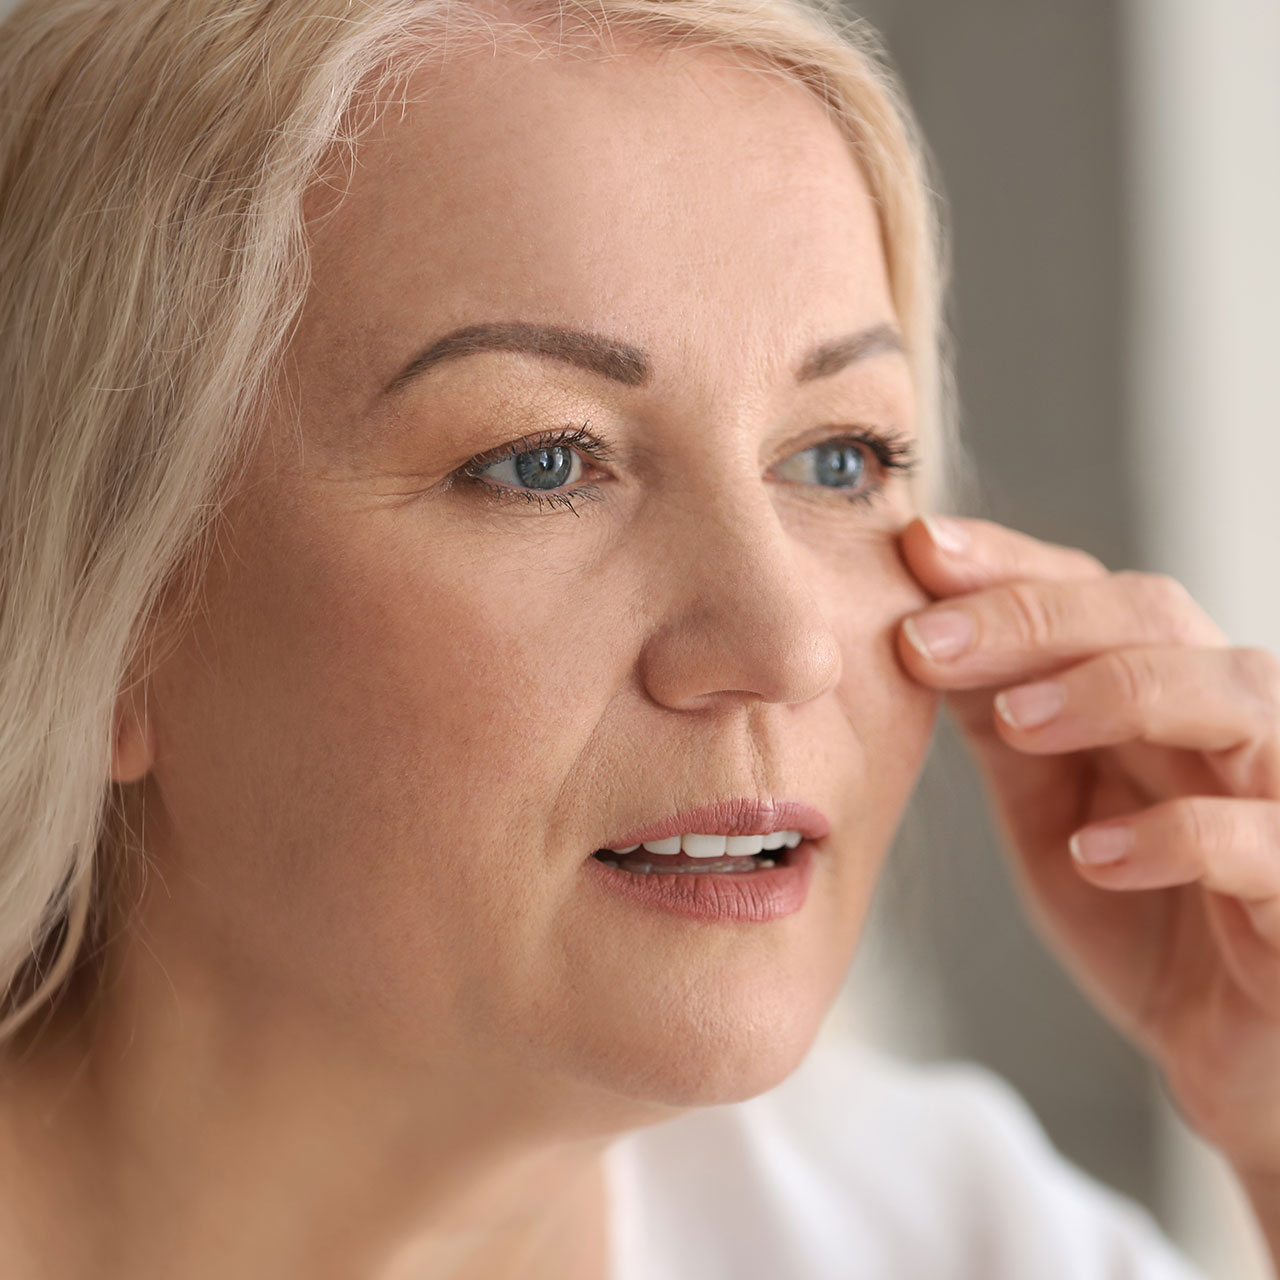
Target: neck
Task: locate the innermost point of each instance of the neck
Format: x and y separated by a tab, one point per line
181	1143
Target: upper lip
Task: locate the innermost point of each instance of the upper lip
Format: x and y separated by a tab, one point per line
736	816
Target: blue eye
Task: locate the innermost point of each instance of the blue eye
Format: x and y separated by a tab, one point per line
539	464
538	469
834	464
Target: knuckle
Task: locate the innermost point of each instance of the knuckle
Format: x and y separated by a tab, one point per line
1259	671
1135	677
1199	823
1032	615
1164	603
1085	565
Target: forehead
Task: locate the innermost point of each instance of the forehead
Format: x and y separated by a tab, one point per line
648	194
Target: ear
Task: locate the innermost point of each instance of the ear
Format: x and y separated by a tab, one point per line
133	738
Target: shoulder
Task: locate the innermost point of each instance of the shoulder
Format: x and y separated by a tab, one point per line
937	1170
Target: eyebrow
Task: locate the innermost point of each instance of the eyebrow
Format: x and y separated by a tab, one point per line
620	361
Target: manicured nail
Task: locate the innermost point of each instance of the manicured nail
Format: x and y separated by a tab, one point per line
949	535
941	635
1103	844
1031	705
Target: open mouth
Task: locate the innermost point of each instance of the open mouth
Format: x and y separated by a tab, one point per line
644	863
742	888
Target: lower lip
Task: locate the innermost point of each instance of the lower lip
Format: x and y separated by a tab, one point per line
751	896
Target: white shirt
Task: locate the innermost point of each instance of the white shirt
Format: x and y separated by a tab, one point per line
863	1167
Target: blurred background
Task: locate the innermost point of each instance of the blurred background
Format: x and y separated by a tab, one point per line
1113	174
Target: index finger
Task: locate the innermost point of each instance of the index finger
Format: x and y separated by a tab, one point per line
952	555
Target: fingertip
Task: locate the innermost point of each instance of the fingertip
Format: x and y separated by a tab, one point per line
914	657
947	534
929	545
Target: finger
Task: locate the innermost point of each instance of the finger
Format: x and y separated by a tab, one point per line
950	555
1227	846
1020	630
1197	699
1224	843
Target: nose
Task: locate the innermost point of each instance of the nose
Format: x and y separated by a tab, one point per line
739	618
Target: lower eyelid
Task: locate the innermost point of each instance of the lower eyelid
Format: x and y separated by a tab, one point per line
588	493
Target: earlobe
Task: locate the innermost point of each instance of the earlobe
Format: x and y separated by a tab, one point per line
133	738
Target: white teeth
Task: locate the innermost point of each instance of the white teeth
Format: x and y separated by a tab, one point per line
703	846
670	845
697	845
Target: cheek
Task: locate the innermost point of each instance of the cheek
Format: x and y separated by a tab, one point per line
355	745
890	715
887	722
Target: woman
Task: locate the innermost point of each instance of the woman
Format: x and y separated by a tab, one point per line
449	448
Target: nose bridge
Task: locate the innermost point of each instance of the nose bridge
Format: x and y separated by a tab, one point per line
736	613
727	518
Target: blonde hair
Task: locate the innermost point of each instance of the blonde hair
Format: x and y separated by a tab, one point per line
154	156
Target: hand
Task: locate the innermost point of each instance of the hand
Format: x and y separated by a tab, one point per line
1109	716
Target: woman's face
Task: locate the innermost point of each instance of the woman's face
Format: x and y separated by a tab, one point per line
412	710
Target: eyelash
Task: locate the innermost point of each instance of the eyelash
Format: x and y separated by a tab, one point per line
894	453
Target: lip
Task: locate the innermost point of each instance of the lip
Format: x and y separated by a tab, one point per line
750	897
736	816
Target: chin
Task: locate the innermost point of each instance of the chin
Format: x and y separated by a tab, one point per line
701	1052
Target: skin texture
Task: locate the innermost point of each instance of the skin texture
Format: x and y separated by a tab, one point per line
370	1010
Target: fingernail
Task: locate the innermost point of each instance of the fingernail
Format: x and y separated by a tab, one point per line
1103	844
1031	705
941	635
949	535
